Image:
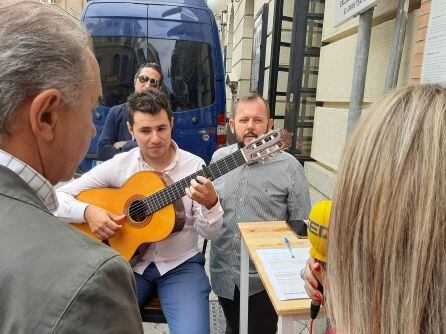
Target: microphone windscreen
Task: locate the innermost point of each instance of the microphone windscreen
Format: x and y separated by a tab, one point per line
318	230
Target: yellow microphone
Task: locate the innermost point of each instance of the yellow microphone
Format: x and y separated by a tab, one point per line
317	230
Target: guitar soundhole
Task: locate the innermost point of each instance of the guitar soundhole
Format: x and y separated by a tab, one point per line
138	211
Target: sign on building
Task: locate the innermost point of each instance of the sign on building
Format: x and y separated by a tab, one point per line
346	9
434	60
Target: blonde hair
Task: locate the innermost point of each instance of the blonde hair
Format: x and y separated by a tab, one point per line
387	241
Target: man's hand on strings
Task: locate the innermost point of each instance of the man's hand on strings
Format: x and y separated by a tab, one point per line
202	192
102	223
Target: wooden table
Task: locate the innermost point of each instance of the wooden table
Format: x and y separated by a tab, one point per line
267	235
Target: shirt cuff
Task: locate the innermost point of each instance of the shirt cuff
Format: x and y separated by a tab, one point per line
213	213
78	211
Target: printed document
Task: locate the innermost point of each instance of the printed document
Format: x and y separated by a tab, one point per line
283	266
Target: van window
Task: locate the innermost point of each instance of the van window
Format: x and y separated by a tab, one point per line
187	68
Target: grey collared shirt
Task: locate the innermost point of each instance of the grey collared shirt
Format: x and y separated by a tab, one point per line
274	190
43	188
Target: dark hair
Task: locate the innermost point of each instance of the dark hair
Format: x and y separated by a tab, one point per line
151	102
251	97
153	66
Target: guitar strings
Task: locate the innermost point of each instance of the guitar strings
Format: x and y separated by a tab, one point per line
237	160
159	199
161	202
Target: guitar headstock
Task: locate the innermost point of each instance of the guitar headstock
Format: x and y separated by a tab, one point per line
267	145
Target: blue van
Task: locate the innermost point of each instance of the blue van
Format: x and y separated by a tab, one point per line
180	35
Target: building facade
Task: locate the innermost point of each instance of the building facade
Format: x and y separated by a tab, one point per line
315	69
70	7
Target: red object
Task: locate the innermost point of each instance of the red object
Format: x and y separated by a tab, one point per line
221	130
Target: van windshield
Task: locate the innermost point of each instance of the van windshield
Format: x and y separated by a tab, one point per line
187	67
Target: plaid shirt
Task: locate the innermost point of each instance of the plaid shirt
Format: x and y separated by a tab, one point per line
37	182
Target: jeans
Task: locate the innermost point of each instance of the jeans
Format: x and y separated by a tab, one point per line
183	293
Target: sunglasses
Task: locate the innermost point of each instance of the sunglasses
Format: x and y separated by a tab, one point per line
145	79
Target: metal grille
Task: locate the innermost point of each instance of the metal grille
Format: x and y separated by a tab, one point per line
218	322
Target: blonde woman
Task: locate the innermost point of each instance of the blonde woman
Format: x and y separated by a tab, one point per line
386	270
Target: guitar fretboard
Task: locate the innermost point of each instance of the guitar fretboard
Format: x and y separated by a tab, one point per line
176	191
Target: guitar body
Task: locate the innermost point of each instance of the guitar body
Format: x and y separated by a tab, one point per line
136	230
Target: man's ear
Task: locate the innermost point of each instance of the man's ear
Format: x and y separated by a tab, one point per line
44	112
129	127
270	124
171	122
231	125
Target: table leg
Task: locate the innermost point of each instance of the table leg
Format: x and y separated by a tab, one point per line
244	288
285	324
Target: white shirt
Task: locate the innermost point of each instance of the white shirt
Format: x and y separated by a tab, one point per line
177	248
43	188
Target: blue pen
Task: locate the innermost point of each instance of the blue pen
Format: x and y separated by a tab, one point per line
287	242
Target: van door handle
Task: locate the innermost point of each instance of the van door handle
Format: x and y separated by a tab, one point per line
194	120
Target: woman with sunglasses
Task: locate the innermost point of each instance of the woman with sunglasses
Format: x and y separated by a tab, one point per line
115	137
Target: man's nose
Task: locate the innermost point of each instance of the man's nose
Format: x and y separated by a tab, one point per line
250	124
155	137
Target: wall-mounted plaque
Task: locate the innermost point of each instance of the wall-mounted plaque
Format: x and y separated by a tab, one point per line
434	60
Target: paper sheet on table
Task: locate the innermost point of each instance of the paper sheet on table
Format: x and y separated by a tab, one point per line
284	271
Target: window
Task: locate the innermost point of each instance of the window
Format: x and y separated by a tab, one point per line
188	72
119	59
187	68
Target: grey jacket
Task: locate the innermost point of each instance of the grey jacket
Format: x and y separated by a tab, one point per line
54	279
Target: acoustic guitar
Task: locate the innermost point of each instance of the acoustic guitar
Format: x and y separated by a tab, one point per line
146	200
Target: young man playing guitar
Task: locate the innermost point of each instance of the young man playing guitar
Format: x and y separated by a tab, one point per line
173	266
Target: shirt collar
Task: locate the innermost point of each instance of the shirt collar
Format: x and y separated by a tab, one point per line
171	165
43	188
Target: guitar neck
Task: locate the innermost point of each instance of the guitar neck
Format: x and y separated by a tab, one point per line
176	191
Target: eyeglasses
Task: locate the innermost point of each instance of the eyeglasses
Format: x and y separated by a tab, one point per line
145	79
